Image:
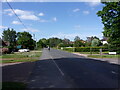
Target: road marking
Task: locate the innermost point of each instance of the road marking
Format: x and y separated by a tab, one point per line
113	72
57	66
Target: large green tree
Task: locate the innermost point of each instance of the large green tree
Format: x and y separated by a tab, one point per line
110	15
25	39
54	42
10	36
42	43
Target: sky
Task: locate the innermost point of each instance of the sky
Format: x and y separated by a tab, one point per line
54	19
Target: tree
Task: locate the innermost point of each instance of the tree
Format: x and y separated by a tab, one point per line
95	42
110	15
42	43
77	42
66	41
25	39
54	42
10	36
77	38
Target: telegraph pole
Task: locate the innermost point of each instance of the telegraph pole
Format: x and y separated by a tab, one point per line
35	42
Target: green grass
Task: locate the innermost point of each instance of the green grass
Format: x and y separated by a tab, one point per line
89	52
21	57
104	56
13	61
13	86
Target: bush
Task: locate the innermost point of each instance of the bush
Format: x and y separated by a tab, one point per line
86	49
89	49
68	49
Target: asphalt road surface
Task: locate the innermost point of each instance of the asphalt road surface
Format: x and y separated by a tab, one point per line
60	69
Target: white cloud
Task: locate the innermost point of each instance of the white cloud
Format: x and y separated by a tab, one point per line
86	12
7	0
54	19
16	22
71	36
63	35
30	30
27	15
3	27
76	10
92	4
41	14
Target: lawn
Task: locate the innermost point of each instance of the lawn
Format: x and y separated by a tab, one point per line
104	56
89	52
20	57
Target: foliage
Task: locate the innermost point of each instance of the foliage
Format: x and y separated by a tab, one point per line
68	49
110	15
89	49
42	43
66	41
95	42
85	49
78	42
10	36
65	45
77	38
53	42
25	39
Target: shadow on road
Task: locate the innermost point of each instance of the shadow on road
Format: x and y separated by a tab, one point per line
17	72
78	73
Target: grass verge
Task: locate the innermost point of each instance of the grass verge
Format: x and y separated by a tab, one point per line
104	56
21	57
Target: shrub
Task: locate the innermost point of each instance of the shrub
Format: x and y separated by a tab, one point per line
68	49
86	49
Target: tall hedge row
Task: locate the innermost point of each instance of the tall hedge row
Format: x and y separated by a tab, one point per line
86	49
68	49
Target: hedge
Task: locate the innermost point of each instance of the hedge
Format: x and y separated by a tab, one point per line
86	49
68	49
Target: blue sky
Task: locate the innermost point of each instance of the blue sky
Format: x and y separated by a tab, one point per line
54	19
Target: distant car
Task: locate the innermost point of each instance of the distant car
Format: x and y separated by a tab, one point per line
23	50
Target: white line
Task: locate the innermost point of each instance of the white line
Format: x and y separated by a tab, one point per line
57	66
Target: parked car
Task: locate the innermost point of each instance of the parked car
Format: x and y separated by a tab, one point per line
23	50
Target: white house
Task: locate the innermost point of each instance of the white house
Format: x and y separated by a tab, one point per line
104	42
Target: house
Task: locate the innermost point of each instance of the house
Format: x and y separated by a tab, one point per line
104	40
4	43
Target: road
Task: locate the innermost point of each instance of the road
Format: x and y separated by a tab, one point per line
60	69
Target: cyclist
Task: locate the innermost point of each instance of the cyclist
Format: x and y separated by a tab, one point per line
49	48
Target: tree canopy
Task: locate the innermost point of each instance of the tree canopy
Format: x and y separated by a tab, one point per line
10	36
25	39
110	15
